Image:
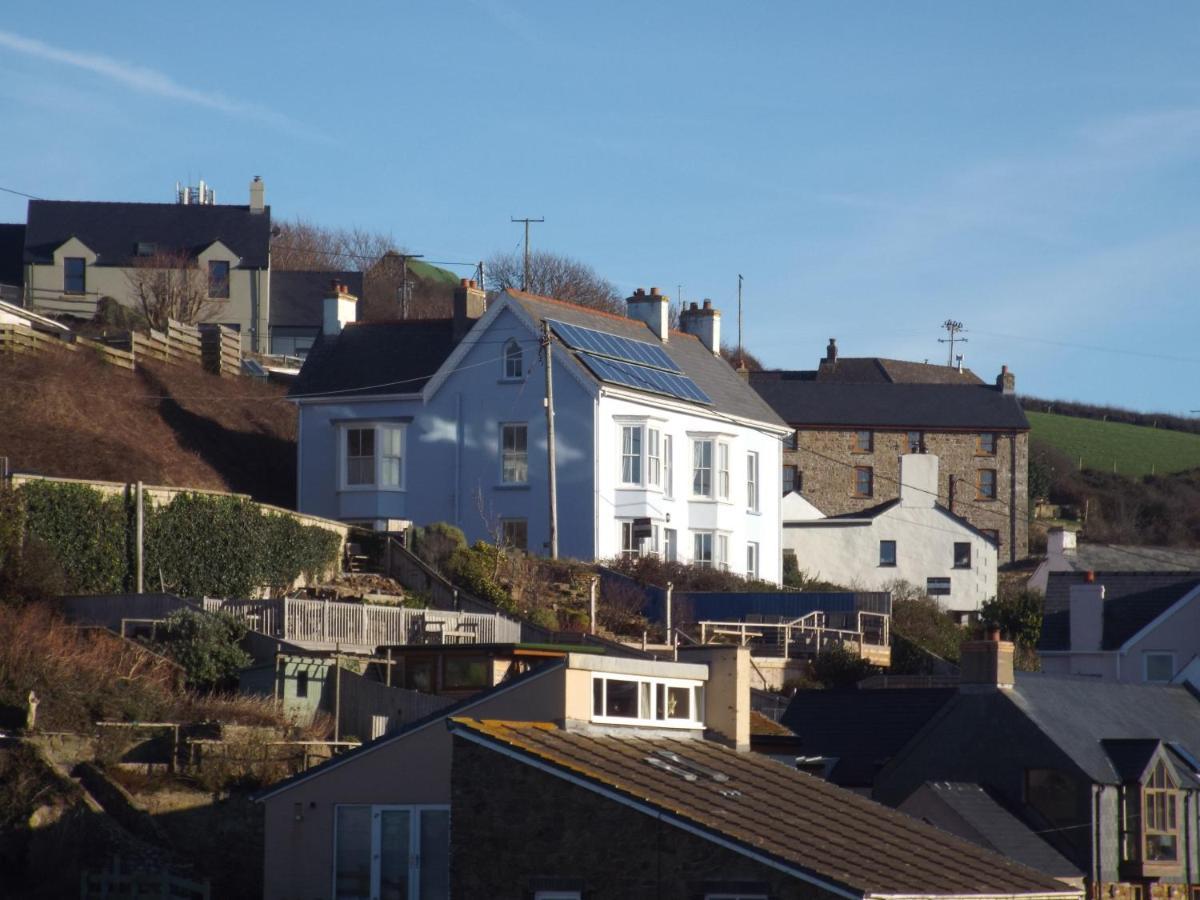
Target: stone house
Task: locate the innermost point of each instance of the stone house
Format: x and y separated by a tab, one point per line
854	418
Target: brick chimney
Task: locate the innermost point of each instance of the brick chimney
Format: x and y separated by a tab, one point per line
727	693
470	302
831	352
986	665
705	323
340	309
257	195
651	308
1006	381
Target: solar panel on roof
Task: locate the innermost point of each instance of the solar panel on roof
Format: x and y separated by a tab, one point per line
601	343
644	378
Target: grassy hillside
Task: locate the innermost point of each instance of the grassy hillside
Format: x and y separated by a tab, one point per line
1135	450
71	415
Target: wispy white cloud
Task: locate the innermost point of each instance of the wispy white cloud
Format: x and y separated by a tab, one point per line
142	79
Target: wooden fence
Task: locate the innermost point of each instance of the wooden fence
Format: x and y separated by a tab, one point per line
215	347
368	709
161	885
326	624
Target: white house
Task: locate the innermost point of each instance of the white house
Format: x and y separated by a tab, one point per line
444	420
911	538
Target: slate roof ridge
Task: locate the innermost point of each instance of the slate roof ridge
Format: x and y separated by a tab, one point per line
244	206
590	309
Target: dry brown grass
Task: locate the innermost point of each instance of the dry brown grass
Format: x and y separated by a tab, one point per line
67	414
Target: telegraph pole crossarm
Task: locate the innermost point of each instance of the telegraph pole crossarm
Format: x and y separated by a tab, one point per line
525	270
954	328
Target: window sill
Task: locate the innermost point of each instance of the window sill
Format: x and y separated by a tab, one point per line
369	489
524	486
510	381
961	568
887	565
985	499
754	512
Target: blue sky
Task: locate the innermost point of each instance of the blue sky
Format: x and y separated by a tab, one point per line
1032	169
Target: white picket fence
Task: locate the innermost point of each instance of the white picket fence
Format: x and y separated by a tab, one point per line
329	623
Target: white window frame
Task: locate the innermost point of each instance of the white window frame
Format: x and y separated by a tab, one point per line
698	467
721	552
414	842
650	694
668	466
723	485
632	435
381	430
670	550
652	446
510	371
752	559
1146	655
630	549
752	482
515	455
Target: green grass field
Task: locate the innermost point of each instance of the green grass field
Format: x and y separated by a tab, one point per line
1134	449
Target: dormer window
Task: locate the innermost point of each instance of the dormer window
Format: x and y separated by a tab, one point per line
1160	817
660	702
513	360
146	248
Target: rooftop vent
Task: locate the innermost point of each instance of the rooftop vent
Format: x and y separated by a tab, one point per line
670	761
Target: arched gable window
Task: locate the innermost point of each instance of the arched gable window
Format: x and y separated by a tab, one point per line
512	360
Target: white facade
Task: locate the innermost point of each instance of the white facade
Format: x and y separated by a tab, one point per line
470	449
911	539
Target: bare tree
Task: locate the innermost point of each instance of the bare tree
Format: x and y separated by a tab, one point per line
302	246
749	360
170	285
555	275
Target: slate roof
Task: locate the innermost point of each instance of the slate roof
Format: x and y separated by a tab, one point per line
862	729
876	370
830	404
994	827
1132	600
729	391
873	512
1130	756
113	230
298	298
1080	714
767	809
397	357
1087	557
12	252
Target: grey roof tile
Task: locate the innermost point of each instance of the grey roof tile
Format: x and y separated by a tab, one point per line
1132	600
397	357
298	298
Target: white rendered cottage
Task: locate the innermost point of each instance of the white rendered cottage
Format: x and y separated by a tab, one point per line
911	538
444	420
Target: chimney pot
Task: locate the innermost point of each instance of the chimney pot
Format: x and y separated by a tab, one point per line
708	304
652	309
694	306
831	350
653	292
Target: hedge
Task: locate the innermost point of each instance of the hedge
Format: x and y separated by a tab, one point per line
196	545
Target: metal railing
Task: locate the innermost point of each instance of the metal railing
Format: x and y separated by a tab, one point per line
805	636
333	623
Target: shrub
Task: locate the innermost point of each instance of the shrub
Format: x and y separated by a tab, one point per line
1018	615
206	645
475	569
436	543
920	621
202	545
837	666
84	529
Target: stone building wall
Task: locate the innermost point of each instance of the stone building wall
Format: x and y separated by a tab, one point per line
518	830
826	460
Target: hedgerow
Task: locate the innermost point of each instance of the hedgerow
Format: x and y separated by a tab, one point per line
196	545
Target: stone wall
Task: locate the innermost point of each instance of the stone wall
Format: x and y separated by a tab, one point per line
827	459
518	830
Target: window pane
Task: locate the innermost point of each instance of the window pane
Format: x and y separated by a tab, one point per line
459	673
435	854
962	555
218	279
914	442
512	360
597	696
622	699
73	275
679	703
393	854
352	878
887	553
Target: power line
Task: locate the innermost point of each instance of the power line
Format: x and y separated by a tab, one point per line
953	327
19	193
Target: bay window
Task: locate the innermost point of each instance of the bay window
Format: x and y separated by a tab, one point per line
723	471
752	482
372	456
668	466
653	459
631	454
702	549
702	468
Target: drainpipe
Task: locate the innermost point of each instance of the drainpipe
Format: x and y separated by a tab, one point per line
1187	836
1096	789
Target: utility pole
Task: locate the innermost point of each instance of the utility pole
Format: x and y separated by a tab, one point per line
741	359
404	258
953	327
546	349
525	271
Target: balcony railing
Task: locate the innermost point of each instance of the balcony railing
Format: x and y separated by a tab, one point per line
807	636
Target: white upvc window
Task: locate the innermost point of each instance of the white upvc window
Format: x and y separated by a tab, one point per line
371	456
668	465
722	560
629	546
723	470
702	467
752	481
391	851
653	457
638	700
631	454
513	360
702	549
752	560
514	453
670	545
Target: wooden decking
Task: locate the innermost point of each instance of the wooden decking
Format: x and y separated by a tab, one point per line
806	636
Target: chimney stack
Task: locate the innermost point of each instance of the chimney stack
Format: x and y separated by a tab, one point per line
650	308
1087	615
831	351
705	323
727	693
340	310
470	302
986	665
1006	381
257	195
918	480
